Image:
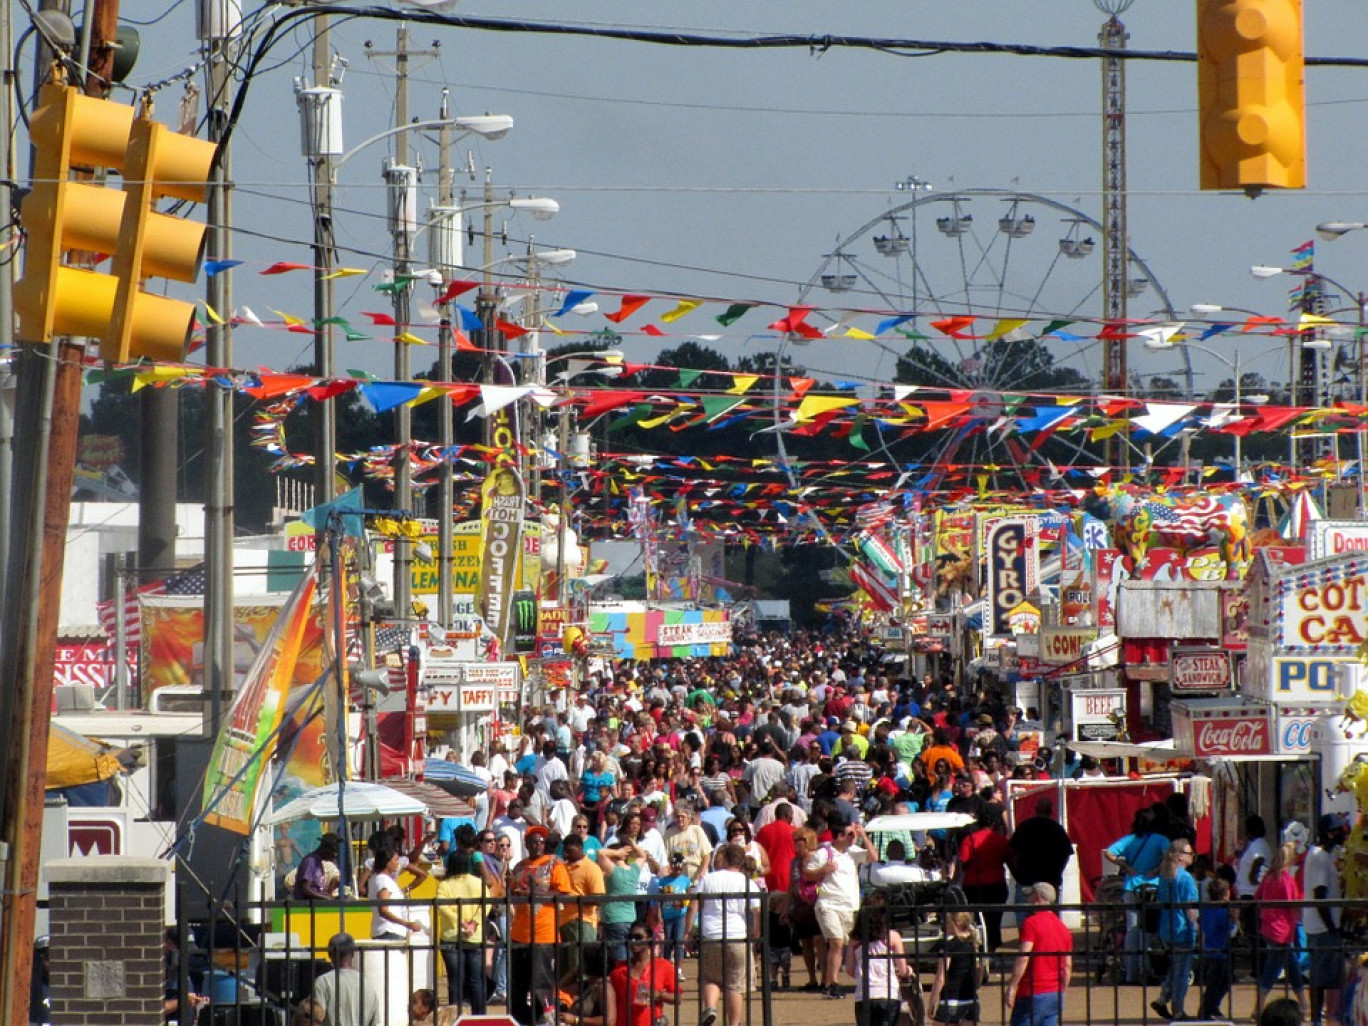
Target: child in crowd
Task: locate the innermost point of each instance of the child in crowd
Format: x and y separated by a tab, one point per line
1216	925
676	881
423	1008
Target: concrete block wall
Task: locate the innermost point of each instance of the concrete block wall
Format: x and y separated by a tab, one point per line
107	916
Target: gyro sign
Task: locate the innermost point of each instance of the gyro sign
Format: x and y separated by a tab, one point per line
1199	669
1013	571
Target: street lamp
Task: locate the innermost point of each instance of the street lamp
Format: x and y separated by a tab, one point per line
565	423
444	251
1328	229
320	110
1206	309
1333	230
1172	342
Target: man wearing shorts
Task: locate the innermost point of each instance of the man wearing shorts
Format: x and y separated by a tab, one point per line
1321	918
728	910
834	872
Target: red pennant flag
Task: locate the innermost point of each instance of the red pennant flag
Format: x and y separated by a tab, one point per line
462	341
457	288
1114	330
630	305
380	318
279	384
955	327
800	386
1256	322
281	268
329	389
794	321
651	329
509	330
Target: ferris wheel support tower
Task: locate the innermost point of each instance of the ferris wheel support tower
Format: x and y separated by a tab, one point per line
1115	238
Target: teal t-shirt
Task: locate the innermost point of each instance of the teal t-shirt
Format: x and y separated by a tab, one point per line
621	882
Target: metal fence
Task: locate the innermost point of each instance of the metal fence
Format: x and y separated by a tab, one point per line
256	962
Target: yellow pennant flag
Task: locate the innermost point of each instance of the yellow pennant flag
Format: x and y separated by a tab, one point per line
655	422
344	272
293	322
1005	327
1106	430
408	338
213	314
859	333
686	306
741	383
425	395
1310	320
153	375
815	405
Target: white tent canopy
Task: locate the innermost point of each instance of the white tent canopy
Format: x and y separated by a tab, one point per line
1157	751
360	799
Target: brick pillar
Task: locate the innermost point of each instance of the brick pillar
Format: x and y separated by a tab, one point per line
107	914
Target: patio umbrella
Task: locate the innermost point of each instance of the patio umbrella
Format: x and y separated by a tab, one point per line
361	799
439	802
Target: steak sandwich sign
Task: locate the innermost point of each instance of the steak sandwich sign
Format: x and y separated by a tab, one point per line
1199	669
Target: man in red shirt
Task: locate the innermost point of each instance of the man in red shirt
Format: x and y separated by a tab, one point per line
643	982
1044	966
777	840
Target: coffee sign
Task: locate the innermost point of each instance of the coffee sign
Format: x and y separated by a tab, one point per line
1199	669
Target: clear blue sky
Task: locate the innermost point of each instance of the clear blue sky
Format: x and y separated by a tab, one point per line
730	173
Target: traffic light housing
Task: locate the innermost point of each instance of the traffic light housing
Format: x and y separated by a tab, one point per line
72	131
161	163
1251	89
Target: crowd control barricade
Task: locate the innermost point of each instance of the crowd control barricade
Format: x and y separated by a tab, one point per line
256	961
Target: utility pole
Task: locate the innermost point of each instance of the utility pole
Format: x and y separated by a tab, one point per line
219	484
402	178
47	409
446	200
7	176
325	413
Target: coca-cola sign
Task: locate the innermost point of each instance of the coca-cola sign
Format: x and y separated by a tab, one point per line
1225	737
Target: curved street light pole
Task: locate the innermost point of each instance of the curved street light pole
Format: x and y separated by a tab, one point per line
540	207
1334	230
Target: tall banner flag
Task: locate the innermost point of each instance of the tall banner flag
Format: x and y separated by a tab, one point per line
247	738
501	517
1013	571
882	594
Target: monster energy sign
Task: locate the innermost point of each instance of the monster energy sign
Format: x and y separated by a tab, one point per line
502	517
525	622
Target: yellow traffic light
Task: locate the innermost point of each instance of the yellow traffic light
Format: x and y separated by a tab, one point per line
69	130
1250	83
72	131
160	163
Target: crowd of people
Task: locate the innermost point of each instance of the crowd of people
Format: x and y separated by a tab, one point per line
674	803
685	807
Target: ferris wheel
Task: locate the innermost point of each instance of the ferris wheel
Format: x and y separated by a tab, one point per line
1001	256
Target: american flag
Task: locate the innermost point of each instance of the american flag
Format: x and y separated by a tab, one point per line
190	582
